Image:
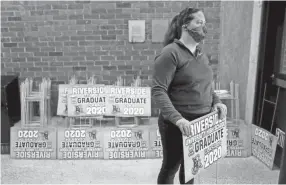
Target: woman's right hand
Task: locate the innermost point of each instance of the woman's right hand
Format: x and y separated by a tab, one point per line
185	126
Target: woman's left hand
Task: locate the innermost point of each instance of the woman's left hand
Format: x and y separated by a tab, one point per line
222	110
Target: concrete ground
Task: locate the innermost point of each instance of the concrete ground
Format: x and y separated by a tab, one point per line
229	171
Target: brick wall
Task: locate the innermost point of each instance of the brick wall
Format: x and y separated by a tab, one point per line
58	38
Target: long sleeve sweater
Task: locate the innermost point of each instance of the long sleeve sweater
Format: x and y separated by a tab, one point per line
182	82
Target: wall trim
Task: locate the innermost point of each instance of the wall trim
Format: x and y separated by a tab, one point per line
253	61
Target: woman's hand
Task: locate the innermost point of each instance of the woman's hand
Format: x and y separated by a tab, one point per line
222	110
185	126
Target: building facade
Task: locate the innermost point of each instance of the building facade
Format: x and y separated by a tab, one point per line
246	43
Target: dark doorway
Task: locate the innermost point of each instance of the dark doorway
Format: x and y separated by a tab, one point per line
272	71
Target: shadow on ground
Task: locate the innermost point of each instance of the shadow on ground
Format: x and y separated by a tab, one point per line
145	171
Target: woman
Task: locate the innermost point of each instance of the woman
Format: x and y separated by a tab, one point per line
182	88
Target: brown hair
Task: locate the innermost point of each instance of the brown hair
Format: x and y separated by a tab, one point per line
175	27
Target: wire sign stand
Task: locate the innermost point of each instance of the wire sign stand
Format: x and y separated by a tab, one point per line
29	96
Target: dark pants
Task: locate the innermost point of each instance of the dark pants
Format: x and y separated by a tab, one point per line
173	156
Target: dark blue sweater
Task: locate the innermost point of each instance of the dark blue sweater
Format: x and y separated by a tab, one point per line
182	82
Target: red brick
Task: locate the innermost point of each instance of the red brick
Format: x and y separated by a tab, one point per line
7	39
106	5
9	45
40	44
95	69
62	38
156	4
140	5
60	17
148	10
98	11
41	64
107	16
14	18
70	63
27	74
7	14
44	7
111	47
83	21
48	59
92	37
73	49
11	64
85	53
64	58
84	32
140	46
123	58
25	54
123	5
75	6
115	32
146	62
107	27
117	73
115	21
92	48
101	63
108	37
34	59
71	43
99	22
73	53
61	28
55	43
34	69
51	12
59	6
38	54
131	53
138	67
65	68
31	39
18	59
79	68
110	78
69	33
55	53
6	59
125	67
76	17
85	43
93	58
132	72
148	52
17	49
57	63
46	39
4	29
7	69
37	13
78	58
101	43
50	68
53	33
107	58
139	58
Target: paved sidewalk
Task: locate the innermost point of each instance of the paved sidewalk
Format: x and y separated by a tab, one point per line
230	171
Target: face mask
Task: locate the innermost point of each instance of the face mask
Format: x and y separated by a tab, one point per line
198	34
